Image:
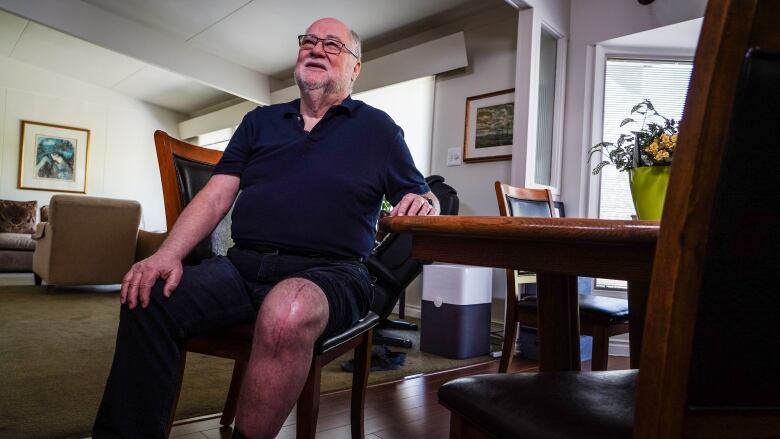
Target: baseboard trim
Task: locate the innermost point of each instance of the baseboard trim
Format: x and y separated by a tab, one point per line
410	310
619	348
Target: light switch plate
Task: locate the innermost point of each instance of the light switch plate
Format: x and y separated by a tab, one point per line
454	157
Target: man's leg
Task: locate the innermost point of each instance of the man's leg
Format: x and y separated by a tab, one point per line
141	386
293	315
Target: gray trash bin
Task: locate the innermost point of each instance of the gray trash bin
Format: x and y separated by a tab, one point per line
456	310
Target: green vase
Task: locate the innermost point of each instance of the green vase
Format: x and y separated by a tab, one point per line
648	189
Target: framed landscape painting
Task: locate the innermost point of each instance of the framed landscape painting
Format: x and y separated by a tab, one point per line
53	157
489	125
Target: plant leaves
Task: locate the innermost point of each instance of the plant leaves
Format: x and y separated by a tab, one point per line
599	167
621	154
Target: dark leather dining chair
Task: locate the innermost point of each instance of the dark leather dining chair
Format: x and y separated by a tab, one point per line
600	317
392	264
184	170
710	359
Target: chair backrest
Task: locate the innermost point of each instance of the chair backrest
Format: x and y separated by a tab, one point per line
184	171
559	211
449	203
518	201
710	364
392	263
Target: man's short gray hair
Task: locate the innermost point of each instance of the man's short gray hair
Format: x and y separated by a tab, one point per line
356	47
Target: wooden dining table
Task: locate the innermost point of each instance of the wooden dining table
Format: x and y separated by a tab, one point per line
557	250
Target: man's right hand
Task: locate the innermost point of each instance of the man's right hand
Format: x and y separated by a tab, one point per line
196	221
137	283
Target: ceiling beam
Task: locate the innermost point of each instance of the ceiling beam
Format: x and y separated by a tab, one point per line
116	33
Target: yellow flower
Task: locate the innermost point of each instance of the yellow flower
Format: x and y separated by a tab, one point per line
661	156
652	148
668	141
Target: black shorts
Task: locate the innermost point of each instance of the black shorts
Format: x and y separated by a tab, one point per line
346	283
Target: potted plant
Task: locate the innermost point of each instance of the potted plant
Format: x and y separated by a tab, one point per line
646	153
384	210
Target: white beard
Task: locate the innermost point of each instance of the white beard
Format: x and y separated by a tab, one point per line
328	86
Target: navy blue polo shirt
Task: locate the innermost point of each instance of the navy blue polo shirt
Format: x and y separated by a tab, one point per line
318	190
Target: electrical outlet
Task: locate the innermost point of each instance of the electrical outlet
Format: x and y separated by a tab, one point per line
454	157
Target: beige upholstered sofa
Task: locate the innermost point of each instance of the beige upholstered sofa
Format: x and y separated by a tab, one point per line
87	241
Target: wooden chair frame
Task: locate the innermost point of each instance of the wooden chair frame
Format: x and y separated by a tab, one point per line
515	315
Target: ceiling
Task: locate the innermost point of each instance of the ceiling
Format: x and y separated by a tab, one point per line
52	50
260	34
679	36
256	34
240	43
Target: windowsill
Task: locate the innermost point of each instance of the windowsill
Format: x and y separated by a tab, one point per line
618	294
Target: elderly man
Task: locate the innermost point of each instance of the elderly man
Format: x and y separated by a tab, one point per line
312	173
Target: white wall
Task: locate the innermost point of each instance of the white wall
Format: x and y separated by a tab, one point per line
553	13
589	25
410	105
122	159
491	53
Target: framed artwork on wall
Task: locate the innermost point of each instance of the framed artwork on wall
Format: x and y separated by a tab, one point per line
53	157
489	123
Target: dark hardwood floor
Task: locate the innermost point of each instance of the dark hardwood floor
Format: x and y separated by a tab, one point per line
400	409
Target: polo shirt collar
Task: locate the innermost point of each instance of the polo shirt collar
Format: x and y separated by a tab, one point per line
294	107
349	104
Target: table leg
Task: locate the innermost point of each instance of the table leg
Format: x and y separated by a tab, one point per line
559	322
637	308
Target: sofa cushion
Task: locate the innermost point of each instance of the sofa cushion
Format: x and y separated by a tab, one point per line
18	216
16	241
12	261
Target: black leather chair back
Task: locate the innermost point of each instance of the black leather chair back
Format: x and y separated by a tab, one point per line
736	346
528	208
448	197
391	262
192	176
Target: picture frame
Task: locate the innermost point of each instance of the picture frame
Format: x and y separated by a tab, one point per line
488	133
53	157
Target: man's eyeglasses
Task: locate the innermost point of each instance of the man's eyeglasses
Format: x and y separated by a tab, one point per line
329	45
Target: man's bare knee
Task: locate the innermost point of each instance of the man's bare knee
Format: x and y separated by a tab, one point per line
293	315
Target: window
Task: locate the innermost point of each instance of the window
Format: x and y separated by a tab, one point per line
627	82
410	104
548	53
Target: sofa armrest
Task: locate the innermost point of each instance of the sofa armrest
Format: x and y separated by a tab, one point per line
148	243
40	231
